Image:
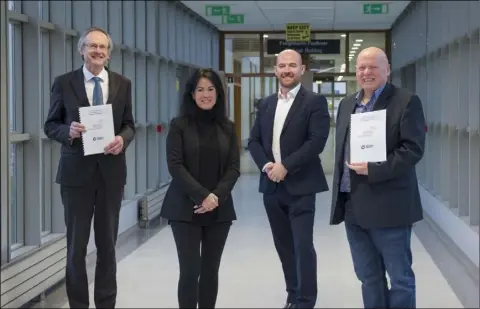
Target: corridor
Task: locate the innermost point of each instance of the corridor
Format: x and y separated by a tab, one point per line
251	275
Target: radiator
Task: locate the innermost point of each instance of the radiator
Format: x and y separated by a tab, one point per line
149	206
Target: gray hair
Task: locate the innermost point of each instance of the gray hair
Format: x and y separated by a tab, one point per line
81	41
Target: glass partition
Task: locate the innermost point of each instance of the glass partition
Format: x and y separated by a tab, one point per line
250	60
361	40
329	56
242	53
269	59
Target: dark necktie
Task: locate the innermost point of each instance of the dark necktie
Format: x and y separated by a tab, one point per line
97	92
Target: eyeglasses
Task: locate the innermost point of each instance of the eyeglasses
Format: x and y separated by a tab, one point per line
93	46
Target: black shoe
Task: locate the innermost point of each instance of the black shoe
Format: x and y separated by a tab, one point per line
290	305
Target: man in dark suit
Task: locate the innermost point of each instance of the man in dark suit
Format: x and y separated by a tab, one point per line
379	201
290	132
91	185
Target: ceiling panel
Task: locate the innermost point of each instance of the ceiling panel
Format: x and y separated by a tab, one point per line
321	15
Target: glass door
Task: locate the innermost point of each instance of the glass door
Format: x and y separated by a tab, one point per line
334	89
243	96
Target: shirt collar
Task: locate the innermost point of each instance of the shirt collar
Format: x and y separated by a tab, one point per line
88	75
377	93
291	94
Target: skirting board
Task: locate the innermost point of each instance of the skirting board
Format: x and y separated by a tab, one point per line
456	229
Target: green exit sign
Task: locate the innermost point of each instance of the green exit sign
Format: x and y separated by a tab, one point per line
233	19
375	8
217	10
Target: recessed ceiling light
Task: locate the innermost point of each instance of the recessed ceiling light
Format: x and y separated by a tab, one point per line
356	44
358	40
265	35
354	48
343	35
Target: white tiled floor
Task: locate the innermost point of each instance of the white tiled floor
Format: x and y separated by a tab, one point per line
251	276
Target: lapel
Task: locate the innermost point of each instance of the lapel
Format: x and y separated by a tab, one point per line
295	105
270	116
384	98
272	106
348	109
348	106
113	86
193	140
223	144
78	85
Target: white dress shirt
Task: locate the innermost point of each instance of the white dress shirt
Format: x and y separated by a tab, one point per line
284	104
90	84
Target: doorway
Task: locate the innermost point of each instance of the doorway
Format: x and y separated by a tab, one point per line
334	88
244	94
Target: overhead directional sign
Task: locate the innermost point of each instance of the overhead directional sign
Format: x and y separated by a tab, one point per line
375	8
233	19
325	47
225	13
295	32
217	10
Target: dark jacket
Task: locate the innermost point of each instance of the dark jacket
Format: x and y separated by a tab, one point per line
304	135
185	191
67	96
389	195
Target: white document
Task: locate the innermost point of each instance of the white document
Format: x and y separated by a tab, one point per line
368	141
98	122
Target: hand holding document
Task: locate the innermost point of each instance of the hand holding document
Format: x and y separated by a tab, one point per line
368	137
98	122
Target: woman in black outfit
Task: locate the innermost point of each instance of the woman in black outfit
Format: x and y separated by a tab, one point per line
204	162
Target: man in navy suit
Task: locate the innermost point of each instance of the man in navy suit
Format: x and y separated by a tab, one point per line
290	131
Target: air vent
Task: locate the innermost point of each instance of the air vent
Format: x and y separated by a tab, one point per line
245	45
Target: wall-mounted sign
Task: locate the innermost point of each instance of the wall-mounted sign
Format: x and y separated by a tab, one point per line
325	47
295	32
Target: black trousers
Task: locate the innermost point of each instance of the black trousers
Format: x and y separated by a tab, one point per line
291	220
102	202
200	250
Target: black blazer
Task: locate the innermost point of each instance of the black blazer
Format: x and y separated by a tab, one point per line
389	195
185	191
303	139
67	96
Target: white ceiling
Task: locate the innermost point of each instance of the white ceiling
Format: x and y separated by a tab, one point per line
321	15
